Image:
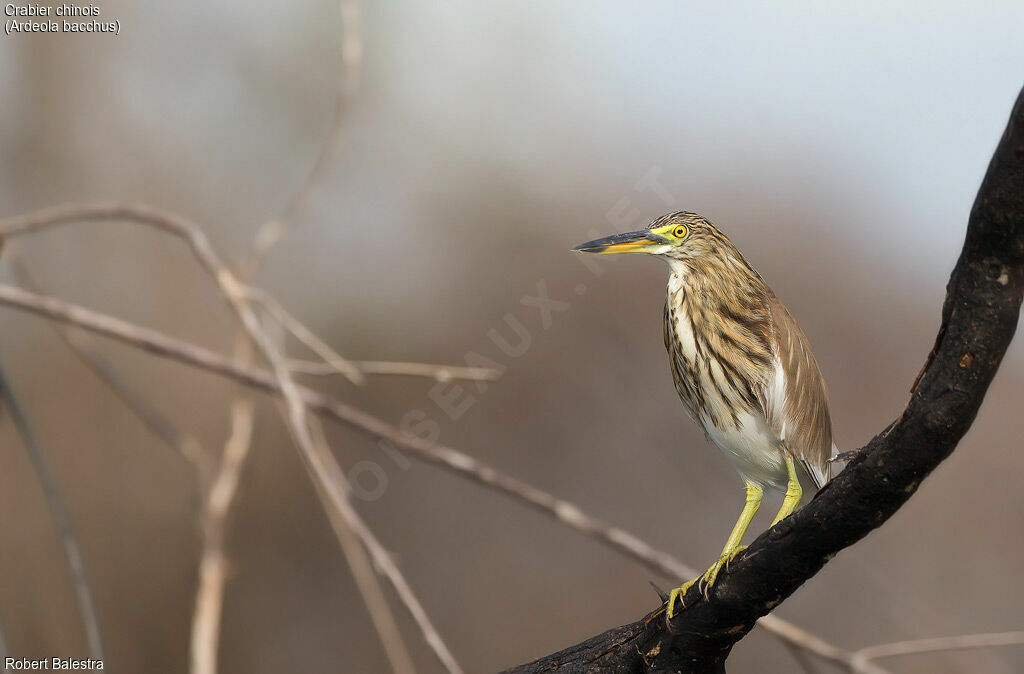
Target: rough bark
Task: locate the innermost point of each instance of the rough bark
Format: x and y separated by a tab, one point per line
979	318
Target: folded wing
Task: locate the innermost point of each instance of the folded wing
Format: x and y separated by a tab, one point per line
796	403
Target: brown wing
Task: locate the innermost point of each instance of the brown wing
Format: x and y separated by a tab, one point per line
798	408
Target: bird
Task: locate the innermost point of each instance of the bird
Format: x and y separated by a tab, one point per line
742	367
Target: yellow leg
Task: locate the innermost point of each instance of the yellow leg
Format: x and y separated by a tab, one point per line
731	549
793	492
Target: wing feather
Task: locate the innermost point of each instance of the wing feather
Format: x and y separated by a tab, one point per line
796	400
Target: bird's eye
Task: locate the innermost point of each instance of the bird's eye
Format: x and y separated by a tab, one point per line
679	232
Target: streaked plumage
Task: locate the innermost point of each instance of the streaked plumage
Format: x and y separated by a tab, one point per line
740	363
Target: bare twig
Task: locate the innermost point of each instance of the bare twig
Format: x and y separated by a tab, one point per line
216	502
351	58
332	494
861	660
213	565
333	359
398	368
363	569
451	459
216	490
333	490
266	238
334	363
798	637
135	400
351	48
801	657
51	491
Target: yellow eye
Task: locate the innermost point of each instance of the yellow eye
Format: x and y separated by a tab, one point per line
679	232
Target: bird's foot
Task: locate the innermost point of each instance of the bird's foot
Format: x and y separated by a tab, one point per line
711	575
678	593
706	581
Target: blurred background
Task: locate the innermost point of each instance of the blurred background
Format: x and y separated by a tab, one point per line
839	147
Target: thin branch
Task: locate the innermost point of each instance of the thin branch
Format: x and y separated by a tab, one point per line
266	238
217	490
334	360
363	573
72	552
82	346
213	564
442	373
799	638
861	662
333	490
363	569
351	48
801	658
351	62
330	484
332	494
449	458
334	363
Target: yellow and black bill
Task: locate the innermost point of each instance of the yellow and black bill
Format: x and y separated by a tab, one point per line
642	241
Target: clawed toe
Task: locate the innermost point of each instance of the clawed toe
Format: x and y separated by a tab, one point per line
734	554
678	593
711	575
706	581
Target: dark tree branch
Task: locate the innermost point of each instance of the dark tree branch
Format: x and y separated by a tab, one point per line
979	318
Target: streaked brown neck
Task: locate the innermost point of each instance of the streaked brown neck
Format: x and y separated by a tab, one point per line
726	304
726	298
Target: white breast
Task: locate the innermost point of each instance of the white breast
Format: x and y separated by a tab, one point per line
753	449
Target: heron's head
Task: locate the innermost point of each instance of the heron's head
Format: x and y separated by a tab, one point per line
681	236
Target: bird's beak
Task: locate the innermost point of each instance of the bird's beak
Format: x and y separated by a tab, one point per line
642	241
